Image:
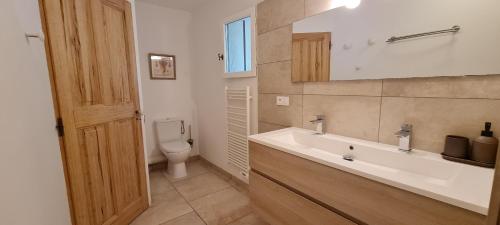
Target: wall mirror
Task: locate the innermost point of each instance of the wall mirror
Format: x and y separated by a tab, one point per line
398	39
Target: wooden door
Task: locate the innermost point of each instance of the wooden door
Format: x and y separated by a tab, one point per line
90	46
311	57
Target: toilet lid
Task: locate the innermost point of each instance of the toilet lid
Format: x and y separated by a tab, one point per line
175	146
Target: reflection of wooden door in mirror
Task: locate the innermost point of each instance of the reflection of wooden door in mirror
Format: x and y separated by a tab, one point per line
92	59
311	57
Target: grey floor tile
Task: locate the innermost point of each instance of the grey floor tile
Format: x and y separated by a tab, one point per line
213	198
159	183
188	219
200	186
166	207
250	219
222	207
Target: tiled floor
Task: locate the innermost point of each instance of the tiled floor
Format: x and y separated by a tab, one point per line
205	197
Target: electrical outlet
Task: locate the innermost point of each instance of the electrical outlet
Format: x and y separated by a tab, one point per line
283	100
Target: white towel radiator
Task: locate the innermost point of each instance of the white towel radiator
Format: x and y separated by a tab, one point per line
238	127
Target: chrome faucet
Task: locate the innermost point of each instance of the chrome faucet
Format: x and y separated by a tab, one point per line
320	124
404	136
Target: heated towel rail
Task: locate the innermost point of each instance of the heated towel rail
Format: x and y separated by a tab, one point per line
238	126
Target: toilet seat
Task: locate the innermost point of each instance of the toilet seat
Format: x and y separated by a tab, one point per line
176	146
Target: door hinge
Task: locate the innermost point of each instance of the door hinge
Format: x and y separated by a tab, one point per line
60	127
138	115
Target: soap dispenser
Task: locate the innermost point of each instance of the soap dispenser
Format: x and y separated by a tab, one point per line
485	147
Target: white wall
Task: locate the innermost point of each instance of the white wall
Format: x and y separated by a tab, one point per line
209	82
472	51
141	103
165	31
33	190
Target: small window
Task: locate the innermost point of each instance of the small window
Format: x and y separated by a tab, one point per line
238	45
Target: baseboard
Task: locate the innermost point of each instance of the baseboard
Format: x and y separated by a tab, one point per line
226	174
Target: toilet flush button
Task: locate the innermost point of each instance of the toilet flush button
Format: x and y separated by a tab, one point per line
283	100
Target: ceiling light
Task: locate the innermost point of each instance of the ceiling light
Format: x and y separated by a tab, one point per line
351	4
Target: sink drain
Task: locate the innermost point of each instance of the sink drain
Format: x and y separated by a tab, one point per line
348	158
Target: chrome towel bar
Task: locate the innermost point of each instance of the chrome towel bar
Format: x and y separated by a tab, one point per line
40	36
453	29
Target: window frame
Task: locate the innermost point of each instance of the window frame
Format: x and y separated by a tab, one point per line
238	16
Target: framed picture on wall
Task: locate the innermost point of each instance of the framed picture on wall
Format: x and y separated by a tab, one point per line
162	67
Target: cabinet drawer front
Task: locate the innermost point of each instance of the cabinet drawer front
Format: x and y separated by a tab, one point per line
278	205
361	200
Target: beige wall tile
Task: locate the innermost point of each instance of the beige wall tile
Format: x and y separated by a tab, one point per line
267	127
352	116
434	118
355	87
448	87
272	14
280	115
275	46
448	106
276	78
313	7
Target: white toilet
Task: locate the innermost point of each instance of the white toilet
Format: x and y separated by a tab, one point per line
173	146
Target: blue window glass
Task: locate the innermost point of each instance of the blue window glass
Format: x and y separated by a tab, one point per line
239	46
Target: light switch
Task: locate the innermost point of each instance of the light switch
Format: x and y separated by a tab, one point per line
283	100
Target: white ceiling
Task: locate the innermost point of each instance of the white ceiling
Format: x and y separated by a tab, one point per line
187	5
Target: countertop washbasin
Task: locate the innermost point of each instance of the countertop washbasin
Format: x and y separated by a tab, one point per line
421	172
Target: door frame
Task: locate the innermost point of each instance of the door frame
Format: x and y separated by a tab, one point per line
57	109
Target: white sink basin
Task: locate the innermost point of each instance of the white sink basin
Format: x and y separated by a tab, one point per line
420	172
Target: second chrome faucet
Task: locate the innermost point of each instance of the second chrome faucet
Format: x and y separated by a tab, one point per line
404	135
320	124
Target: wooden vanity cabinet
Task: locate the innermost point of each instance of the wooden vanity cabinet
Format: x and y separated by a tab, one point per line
285	188
279	205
